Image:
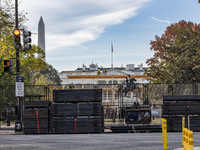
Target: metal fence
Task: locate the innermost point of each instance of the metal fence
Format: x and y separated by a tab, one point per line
8	101
112	93
156	91
114	99
146	93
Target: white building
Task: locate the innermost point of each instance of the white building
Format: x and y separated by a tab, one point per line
106	78
100	75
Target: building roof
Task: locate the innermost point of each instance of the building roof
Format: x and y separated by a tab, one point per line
118	69
106	76
136	69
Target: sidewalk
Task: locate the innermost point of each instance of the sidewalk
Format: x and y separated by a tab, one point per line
9	130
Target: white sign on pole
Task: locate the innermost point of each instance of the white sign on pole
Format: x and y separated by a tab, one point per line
19	86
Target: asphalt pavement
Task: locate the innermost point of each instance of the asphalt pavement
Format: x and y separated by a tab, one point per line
105	141
9	140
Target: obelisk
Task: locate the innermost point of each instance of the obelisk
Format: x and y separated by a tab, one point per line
41	36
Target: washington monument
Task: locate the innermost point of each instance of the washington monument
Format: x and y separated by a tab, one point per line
41	36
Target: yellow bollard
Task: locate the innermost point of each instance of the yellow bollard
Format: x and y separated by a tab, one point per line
183	126
164	133
190	142
184	138
187	140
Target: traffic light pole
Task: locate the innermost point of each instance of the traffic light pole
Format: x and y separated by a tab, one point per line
18	124
16	26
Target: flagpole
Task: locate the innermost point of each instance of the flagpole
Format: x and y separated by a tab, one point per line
111	55
112	68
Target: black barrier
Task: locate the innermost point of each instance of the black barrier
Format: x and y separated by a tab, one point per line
177	106
82	109
36	117
81	95
77	125
77	111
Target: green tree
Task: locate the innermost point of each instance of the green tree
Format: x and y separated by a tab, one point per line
6	45
42	80
31	61
47	75
176	56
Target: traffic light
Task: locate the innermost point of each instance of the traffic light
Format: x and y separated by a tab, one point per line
17	39
8	66
27	40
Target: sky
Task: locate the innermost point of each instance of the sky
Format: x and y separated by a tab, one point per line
80	32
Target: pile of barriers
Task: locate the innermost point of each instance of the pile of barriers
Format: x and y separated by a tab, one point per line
177	106
72	111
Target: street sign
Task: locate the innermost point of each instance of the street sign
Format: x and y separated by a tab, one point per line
19	86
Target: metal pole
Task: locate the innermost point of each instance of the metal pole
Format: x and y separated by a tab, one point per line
188	122
16	26
111	55
16	14
18	124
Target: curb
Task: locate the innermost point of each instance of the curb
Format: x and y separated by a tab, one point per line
195	148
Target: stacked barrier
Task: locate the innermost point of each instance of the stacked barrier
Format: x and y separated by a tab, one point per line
77	111
36	117
176	106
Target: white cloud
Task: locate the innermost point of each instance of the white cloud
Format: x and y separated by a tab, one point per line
73	22
89	28
162	21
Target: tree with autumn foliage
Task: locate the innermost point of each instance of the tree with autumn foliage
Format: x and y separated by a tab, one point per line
176	56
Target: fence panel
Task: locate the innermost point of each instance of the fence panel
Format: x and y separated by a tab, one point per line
35	92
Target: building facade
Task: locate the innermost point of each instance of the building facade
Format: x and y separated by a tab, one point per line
108	79
100	75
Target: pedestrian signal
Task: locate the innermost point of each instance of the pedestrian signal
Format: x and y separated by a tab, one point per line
8	66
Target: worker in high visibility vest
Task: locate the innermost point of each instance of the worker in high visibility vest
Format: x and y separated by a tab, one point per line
99	72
